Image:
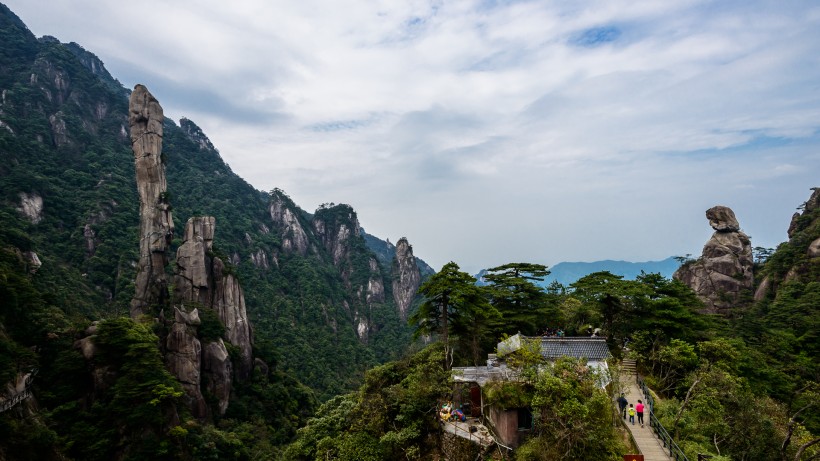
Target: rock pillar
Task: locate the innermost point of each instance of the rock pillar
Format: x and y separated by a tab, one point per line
145	118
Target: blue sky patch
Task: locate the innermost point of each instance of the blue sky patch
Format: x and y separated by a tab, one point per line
596	36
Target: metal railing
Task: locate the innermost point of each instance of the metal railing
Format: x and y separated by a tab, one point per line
674	450
20	396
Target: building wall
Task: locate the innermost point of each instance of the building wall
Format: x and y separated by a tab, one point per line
505	423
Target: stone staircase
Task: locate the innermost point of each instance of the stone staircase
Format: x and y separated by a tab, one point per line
628	367
649	445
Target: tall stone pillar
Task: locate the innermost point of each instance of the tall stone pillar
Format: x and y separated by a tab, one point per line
156	226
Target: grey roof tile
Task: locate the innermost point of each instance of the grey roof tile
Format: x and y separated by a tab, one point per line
589	347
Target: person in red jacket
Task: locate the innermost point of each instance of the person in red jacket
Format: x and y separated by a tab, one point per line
639	409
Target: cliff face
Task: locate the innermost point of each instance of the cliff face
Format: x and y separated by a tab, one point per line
797	260
156	226
283	214
803	225
724	272
200	280
183	357
406	277
229	303
335	227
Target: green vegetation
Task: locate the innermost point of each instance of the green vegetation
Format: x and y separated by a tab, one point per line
573	416
741	388
304	308
393	416
454	307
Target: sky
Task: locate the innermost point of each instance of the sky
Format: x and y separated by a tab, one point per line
485	131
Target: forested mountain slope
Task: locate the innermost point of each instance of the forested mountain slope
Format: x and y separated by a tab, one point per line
320	301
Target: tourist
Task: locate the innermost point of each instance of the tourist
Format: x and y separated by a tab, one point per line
639	408
622	405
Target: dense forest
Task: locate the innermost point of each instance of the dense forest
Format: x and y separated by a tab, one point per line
341	370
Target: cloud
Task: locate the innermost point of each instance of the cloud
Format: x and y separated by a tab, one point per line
488	131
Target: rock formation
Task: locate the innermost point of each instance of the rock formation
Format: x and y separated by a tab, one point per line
406	277
804	237
723	274
183	357
804	221
201	279
334	227
294	238
193	266
156	226
217	373
31	206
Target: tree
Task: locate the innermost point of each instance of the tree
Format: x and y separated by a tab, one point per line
612	297
522	303
452	301
572	415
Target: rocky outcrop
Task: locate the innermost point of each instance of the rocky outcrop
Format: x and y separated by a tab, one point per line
59	132
33	262
229	304
375	285
102	377
406	277
335	226
724	272
145	117
294	237
31	206
804	239
803	221
202	279
191	280
183	358
217	373
195	134
814	249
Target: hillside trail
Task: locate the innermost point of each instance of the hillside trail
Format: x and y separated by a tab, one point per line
649	445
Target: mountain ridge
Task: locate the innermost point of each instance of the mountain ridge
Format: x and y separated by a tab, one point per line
568	272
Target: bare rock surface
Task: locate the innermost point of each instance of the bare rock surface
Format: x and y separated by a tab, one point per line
229	303
183	358
294	237
145	118
202	279
724	272
217	373
31	206
406	277
193	265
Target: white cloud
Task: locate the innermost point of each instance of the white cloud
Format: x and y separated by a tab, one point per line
490	131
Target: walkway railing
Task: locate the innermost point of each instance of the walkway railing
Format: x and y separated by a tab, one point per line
19	397
674	450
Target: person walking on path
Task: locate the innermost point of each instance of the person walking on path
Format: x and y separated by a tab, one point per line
639	408
631	414
622	405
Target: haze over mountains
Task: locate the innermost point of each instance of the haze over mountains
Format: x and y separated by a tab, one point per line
566	273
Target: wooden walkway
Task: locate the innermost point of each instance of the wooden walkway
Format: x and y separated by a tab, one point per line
22	391
651	448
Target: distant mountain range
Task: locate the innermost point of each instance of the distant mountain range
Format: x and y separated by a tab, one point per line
566	273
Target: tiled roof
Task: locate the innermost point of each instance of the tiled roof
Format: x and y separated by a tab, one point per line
589	347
